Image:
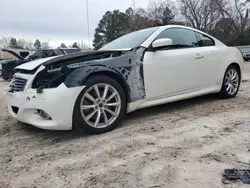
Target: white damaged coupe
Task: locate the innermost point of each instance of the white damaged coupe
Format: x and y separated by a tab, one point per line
92	91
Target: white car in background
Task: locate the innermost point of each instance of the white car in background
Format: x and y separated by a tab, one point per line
92	91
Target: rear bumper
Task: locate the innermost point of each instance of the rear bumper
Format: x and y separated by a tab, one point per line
58	103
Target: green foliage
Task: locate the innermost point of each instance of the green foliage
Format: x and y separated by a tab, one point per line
37	44
111	26
13	43
168	16
75	45
63	45
226	20
115	24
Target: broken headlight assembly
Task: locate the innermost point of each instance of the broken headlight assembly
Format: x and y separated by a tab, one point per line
49	79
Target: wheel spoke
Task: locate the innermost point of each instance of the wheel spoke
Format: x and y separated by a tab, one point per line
235	81
111	112
86	107
106	121
90	115
113	104
105	92
97	92
234	76
235	85
232	89
228	87
98	118
231	74
112	96
90	97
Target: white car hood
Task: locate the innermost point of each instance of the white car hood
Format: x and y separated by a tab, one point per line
33	64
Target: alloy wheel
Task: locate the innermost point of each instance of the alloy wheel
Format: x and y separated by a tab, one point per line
100	105
232	81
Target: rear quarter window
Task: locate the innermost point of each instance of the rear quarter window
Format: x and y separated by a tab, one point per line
204	40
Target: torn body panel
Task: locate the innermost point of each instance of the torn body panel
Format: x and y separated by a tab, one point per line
74	71
128	67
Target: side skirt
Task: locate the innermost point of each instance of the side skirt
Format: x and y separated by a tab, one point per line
149	102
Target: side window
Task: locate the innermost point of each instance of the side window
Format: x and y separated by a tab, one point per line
182	38
204	40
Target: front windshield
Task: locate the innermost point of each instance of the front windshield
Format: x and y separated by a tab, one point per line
130	40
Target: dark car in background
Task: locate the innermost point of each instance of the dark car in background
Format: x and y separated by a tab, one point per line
1	61
8	66
245	50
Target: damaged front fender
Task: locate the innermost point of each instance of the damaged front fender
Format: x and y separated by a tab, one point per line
78	76
128	68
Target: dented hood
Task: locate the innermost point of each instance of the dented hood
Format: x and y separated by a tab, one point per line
34	64
13	53
51	60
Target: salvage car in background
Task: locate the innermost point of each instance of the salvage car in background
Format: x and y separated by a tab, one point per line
1	61
92	91
8	66
245	50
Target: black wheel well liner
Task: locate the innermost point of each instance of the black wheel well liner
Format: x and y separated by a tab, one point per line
78	76
237	66
116	76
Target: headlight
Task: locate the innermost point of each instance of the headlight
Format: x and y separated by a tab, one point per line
49	78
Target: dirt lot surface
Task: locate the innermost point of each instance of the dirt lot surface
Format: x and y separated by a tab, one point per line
184	144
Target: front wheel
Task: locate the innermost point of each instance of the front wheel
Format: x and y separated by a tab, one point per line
100	106
231	82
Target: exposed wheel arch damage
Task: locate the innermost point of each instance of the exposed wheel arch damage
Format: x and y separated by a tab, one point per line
77	78
126	68
237	66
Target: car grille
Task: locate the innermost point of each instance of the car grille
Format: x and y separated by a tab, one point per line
17	84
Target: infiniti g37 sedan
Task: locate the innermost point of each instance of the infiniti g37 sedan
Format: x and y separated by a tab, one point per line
93	91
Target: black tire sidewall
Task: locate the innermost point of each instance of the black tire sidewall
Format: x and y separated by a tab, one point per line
79	122
223	92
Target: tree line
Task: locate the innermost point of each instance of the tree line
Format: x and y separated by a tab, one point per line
227	20
11	42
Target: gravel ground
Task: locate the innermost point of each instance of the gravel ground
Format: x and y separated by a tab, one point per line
183	144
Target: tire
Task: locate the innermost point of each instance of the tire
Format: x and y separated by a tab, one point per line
86	106
235	83
5	75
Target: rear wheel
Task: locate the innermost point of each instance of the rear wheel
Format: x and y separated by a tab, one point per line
231	82
100	106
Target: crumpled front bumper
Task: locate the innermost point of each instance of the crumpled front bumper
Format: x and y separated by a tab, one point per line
58	103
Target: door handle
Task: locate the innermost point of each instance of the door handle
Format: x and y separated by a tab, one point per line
198	56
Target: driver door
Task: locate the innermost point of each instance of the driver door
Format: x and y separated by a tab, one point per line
173	70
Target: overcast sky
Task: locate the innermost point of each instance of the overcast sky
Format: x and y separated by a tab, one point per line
55	20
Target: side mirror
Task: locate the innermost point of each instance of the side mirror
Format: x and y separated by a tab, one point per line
162	43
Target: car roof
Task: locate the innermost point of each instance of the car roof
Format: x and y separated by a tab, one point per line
181	26
162	28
